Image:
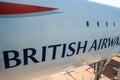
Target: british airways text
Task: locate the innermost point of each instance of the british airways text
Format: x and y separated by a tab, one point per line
67	50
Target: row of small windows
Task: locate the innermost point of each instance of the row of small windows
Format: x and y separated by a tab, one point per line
98	24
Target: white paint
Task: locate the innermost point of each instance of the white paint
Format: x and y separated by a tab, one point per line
115	3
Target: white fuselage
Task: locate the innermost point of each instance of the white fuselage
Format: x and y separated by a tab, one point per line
79	32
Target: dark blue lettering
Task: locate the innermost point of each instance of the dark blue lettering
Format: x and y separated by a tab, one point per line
110	42
43	54
54	50
81	47
104	44
116	41
71	49
64	50
7	59
99	44
94	45
26	56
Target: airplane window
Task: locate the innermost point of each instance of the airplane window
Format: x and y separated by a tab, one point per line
87	24
113	23
98	24
106	23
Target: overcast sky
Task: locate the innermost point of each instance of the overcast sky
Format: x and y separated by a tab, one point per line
109	2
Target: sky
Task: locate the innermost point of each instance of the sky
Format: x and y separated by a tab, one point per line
115	3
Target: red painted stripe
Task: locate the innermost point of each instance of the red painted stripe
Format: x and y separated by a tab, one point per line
14	8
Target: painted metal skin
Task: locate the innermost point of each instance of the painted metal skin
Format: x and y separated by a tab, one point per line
39	43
